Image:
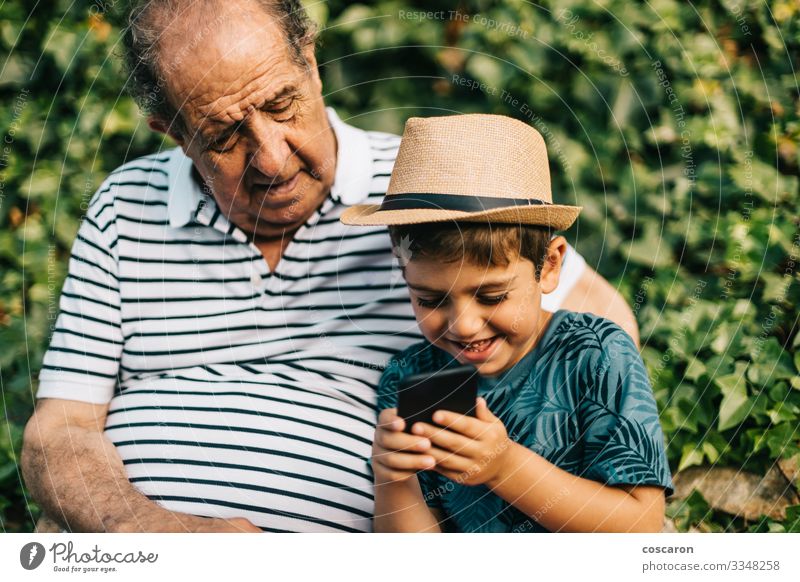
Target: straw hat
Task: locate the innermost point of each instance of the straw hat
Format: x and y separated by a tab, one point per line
469	168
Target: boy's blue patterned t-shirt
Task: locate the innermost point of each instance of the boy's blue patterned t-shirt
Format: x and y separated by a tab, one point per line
581	399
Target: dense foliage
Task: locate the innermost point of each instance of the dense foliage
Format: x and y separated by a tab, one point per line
675	124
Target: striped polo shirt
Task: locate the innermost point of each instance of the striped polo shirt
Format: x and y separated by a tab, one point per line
234	391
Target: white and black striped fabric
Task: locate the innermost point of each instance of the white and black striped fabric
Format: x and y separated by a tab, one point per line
234	391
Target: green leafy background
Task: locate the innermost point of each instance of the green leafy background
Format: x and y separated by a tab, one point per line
675	124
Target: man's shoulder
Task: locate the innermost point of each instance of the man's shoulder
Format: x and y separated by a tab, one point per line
144	180
152	169
376	136
383	144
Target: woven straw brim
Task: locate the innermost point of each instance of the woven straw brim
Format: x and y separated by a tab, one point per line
554	216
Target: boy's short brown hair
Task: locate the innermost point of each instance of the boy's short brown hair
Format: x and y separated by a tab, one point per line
480	243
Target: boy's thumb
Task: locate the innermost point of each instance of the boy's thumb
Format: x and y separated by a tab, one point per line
482	411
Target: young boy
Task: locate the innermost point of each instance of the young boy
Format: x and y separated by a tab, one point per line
566	435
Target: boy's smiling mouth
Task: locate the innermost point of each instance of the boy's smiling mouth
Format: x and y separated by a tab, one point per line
476	350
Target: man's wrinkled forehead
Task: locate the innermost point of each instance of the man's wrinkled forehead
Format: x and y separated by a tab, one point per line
219	70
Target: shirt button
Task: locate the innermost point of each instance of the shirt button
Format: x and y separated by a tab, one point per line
255	279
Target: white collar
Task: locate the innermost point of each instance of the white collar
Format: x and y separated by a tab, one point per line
350	186
353	162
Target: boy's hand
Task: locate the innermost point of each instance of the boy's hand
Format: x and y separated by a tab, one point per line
471	451
396	455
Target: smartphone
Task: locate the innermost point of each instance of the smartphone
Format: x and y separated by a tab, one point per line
420	395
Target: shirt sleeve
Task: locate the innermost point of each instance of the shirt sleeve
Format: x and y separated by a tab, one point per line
623	441
571	271
82	362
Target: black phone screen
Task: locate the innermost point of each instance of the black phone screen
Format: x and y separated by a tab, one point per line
420	395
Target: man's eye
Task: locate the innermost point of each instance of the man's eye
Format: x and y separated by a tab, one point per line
283	111
431	303
224	144
493	299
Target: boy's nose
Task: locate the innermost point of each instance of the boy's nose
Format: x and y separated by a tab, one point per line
465	324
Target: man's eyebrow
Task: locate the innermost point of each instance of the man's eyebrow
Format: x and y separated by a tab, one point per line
487	286
211	134
288	91
228	130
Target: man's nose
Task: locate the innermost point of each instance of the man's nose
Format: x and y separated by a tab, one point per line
270	152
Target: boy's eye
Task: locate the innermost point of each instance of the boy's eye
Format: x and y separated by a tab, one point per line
431	302
493	299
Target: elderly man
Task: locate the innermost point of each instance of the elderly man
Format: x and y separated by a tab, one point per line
221	334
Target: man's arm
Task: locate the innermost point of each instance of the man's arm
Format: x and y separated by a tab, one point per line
593	294
75	473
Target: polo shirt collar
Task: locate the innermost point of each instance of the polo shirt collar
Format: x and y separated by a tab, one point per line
353	162
184	194
350	186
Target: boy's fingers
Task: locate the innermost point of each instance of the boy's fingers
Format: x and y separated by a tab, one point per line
446	439
447	461
388	420
466	425
403	461
400	441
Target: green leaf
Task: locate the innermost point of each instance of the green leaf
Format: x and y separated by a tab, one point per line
710	451
775	286
6	470
691	455
735	404
650	250
782	440
782	412
728	339
487	70
694	370
770	364
792	522
689	512
317	11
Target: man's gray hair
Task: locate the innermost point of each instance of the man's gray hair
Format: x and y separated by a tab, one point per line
147	21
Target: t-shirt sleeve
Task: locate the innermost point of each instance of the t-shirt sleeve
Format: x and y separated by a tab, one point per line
623	441
82	361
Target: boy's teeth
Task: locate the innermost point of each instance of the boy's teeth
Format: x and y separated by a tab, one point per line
476	346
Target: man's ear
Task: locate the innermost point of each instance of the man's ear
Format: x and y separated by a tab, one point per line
311	60
551	268
161	126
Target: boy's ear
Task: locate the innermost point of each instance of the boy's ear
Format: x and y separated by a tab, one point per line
551	268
